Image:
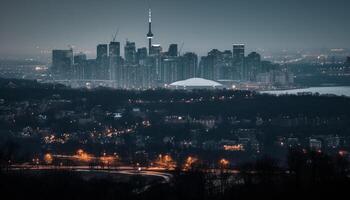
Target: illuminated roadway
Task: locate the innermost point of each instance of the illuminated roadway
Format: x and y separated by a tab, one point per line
126	170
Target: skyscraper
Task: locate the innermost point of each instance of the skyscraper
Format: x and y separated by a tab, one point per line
189	65
149	34
130	53
238	61
78	69
170	70
90	69
114	49
141	55
216	60
114	60
79	58
102	50
226	69
62	62
206	67
156	50
253	65
172	50
102	62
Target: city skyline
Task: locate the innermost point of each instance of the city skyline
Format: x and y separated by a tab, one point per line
64	23
174	99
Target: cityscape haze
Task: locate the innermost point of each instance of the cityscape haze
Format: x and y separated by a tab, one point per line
185	99
30	28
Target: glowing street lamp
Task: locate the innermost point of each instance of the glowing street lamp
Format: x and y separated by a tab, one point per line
165	161
48	158
189	162
107	160
83	156
224	163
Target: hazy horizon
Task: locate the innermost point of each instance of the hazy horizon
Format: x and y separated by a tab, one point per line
31	28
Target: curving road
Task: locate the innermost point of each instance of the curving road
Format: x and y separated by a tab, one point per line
127	170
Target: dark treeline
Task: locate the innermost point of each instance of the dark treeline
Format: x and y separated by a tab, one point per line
241	103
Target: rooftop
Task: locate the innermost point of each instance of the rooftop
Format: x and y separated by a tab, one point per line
196	82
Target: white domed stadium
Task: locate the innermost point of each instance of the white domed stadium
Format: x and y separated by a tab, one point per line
195	83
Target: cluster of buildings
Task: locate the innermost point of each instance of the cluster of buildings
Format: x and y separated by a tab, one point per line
22	69
139	124
318	143
152	67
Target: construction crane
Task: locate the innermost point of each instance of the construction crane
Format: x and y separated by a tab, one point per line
115	35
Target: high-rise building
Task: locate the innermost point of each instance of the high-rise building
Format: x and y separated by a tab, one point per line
238	61
114	49
189	63
130	53
170	70
90	67
114	60
145	70
149	72
226	71
141	55
206	66
131	78
155	67
172	50
79	58
252	66
216	57
62	63
156	50
102	62
102	50
79	63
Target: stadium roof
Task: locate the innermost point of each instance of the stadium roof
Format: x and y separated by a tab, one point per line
196	82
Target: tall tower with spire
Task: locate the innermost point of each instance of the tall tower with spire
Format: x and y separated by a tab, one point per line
149	34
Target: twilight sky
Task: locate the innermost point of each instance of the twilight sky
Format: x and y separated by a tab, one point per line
28	27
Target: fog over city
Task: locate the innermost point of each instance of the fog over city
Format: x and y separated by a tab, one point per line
174	99
31	28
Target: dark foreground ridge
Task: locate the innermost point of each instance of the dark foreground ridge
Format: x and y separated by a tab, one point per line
311	175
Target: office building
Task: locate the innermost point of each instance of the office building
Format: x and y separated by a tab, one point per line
172	50
252	66
130	53
189	63
62	62
238	61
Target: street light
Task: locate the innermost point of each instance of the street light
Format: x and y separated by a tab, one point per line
224	163
48	158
